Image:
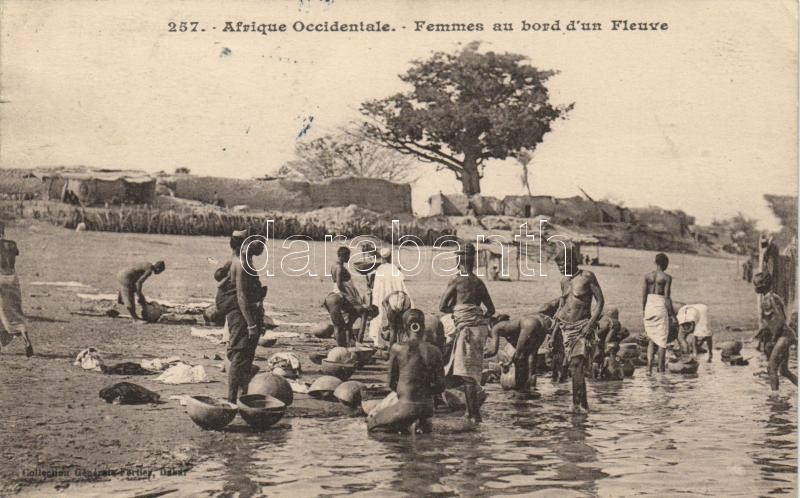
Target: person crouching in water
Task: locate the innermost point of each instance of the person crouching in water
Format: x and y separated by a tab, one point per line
463	298
244	314
777	335
131	282
693	319
344	300
612	367
416	375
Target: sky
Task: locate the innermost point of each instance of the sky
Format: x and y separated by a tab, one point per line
701	117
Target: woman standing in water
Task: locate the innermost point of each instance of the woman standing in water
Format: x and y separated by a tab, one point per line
657	307
244	313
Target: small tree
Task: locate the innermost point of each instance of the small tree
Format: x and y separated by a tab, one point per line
464	109
347	155
524	159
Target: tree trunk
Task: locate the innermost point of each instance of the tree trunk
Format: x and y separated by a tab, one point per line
470	179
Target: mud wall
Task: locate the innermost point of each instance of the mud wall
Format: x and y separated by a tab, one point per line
287	195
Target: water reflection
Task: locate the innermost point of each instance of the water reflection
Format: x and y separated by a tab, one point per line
719	433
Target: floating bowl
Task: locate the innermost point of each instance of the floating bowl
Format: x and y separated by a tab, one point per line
628	350
267	342
322	330
683	367
260	411
324	387
270	384
362	354
208	413
341	355
151	312
730	348
508	379
342	371
349	393
317	357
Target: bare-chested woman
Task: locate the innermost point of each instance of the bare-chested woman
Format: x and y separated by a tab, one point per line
344	303
464	296
657	308
575	321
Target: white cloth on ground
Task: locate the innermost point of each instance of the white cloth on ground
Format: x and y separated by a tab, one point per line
183	373
89	359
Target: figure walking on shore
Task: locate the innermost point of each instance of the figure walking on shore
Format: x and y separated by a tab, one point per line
12	319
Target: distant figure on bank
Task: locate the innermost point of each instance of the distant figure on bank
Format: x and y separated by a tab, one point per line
777	336
464	296
344	303
575	323
657	308
693	319
12	319
244	314
390	294
131	282
416	374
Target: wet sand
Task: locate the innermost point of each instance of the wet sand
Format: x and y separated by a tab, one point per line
54	419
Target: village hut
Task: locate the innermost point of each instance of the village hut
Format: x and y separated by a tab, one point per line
98	187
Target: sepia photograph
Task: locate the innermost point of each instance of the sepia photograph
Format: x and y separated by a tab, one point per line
388	248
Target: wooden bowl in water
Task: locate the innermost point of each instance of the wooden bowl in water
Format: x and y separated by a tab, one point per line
260	411
209	413
342	371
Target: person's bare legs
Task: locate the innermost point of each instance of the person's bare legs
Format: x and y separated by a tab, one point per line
472	401
662	359
682	343
577	367
651	348
710	346
779	363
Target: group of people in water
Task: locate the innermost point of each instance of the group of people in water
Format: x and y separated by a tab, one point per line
428	354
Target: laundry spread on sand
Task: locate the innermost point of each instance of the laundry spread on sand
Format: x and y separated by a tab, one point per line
61	284
160	363
127	393
189	308
183	373
89	359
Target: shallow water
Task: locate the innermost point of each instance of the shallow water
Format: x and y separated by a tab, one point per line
718	433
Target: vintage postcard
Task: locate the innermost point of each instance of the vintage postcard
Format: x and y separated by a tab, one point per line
398	248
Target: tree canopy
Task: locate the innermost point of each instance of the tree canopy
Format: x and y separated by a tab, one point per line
465	108
346	154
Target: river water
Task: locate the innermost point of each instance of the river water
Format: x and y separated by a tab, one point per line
718	433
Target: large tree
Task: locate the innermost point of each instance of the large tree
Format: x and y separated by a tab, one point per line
347	154
463	109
